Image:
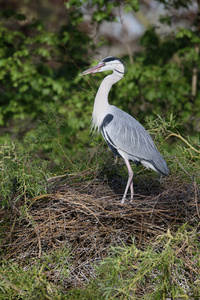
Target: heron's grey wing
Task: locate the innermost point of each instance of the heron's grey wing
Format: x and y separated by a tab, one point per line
128	136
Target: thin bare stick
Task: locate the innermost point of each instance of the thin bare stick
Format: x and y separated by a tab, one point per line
195	74
11	285
196	197
184	140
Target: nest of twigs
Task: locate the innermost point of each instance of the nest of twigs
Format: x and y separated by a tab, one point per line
86	215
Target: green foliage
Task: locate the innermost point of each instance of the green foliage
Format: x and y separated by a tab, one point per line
31	73
39	67
184	151
34	282
39	81
23	173
176	3
161	80
161	270
104	10
168	267
23	78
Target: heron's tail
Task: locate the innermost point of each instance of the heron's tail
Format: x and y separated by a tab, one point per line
161	166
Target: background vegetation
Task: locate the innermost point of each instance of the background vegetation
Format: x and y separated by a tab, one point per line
45	112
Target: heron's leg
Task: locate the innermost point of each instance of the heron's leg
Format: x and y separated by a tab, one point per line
132	190
116	159
129	182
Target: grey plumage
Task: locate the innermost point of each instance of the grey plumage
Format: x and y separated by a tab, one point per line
133	140
124	134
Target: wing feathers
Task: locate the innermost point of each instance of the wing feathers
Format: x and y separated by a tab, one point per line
129	139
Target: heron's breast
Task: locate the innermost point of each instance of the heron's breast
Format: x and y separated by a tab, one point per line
108	118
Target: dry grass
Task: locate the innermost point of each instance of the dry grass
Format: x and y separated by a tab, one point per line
86	215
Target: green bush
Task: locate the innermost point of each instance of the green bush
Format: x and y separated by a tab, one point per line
158	272
38	67
23	173
167	268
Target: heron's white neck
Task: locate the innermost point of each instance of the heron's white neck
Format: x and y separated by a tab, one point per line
101	105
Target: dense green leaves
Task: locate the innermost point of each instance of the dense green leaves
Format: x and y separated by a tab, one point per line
176	4
23	173
128	268
22	81
39	67
159	271
32	74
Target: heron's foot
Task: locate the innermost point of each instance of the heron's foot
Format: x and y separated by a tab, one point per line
123	200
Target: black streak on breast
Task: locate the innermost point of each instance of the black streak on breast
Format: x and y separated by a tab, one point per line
107	138
106	121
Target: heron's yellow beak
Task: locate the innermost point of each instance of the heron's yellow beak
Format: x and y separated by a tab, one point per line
94	69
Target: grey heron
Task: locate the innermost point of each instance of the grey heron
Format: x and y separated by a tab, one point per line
125	136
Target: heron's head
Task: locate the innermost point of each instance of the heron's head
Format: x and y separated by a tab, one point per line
107	64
